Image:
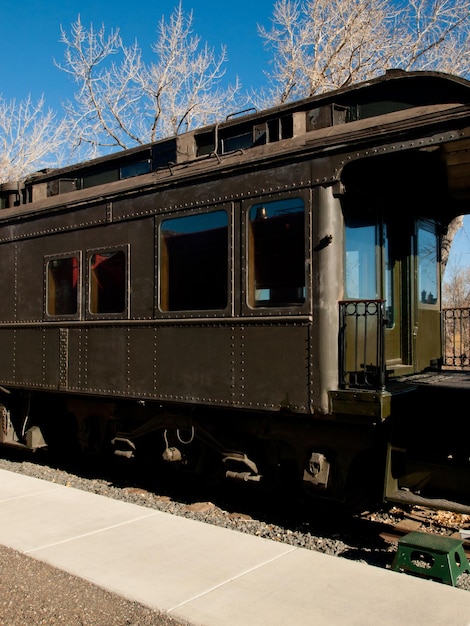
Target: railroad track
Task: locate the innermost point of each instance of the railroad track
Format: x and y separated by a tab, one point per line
430	522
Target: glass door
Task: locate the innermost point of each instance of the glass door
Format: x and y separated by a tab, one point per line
398	293
427	332
378	269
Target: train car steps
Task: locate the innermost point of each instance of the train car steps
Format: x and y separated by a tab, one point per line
431	556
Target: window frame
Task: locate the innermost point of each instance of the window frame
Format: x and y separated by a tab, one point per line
367	274
276	310
90	252
161	312
430	228
77	254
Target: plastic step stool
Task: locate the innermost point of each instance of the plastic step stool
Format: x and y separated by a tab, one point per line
431	556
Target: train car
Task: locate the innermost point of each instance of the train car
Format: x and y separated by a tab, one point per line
258	300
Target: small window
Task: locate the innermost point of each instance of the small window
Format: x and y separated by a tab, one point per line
108	282
238	142
62	286
276	254
194	262
101	178
287	126
205	143
163	152
135	169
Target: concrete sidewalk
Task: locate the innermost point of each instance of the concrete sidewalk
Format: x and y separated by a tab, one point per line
208	575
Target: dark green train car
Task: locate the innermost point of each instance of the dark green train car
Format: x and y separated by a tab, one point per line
259	299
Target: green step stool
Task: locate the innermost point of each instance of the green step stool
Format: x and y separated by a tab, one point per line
431	556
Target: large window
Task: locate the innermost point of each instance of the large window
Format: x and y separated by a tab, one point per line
194	262
62	286
107	271
276	254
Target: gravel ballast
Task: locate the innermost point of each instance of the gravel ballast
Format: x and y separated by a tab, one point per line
35	593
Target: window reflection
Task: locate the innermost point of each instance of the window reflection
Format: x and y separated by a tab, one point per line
194	262
361	264
427	266
108	282
389	283
276	254
367	251
62	286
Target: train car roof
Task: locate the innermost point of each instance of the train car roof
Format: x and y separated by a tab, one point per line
394	90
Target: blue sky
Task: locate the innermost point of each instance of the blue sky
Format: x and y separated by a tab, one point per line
29	43
31	31
460	251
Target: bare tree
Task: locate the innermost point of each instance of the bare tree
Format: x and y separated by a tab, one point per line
103	113
319	45
182	85
30	138
456	319
122	102
447	239
432	35
323	44
456	286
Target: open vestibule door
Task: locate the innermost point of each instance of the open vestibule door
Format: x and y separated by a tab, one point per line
392	256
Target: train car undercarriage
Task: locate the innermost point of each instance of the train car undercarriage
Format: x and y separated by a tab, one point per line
429	451
324	461
319	459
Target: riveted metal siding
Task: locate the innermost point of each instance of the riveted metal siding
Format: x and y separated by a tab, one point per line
273	366
30	357
7	355
7	283
195	363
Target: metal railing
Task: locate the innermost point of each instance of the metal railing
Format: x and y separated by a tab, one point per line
456	337
361	344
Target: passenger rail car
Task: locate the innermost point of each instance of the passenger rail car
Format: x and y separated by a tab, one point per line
258	299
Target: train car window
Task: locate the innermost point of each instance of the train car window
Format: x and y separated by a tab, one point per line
427	266
163	152
361	263
287	126
370	266
238	142
135	169
194	262
101	178
62	276
389	283
276	254
107	275
205	143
